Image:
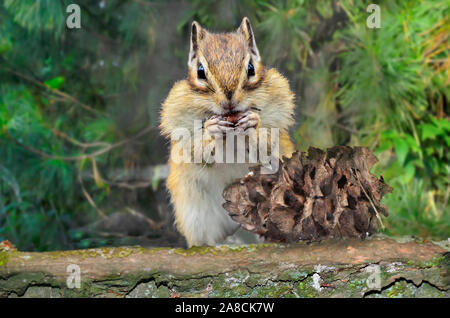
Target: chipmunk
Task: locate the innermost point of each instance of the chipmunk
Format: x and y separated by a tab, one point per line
228	89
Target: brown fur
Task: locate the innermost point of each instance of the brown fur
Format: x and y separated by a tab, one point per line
224	56
228	61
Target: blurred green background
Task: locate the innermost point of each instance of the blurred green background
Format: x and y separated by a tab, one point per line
81	160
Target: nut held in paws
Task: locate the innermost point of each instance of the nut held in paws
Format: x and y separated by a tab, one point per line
233	117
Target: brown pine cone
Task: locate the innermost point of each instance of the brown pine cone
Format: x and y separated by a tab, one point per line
312	197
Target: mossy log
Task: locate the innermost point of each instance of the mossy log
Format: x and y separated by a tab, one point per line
377	267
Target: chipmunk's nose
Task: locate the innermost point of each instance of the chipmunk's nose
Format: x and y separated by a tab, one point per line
229	94
227	103
229	106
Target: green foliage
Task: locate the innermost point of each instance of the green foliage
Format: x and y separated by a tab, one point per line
40	228
35	15
66	94
55	82
390	82
414	211
426	157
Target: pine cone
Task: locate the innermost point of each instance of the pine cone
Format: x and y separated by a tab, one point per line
312	197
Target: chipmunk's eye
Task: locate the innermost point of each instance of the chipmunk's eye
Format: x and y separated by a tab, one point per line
251	70
201	72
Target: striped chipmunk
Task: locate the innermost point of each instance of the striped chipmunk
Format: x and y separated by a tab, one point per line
228	91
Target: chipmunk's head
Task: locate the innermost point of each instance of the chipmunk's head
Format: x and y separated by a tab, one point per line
225	67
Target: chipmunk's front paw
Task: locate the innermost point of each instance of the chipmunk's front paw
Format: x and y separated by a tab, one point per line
217	126
249	119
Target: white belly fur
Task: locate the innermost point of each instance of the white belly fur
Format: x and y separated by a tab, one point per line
202	208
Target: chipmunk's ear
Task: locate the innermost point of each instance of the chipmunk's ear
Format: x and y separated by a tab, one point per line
197	34
246	29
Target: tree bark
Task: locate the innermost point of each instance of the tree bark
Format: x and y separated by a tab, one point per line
377	267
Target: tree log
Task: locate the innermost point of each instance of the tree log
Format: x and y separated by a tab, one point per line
377	267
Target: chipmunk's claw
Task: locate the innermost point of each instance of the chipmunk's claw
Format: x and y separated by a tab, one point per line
217	126
248	119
